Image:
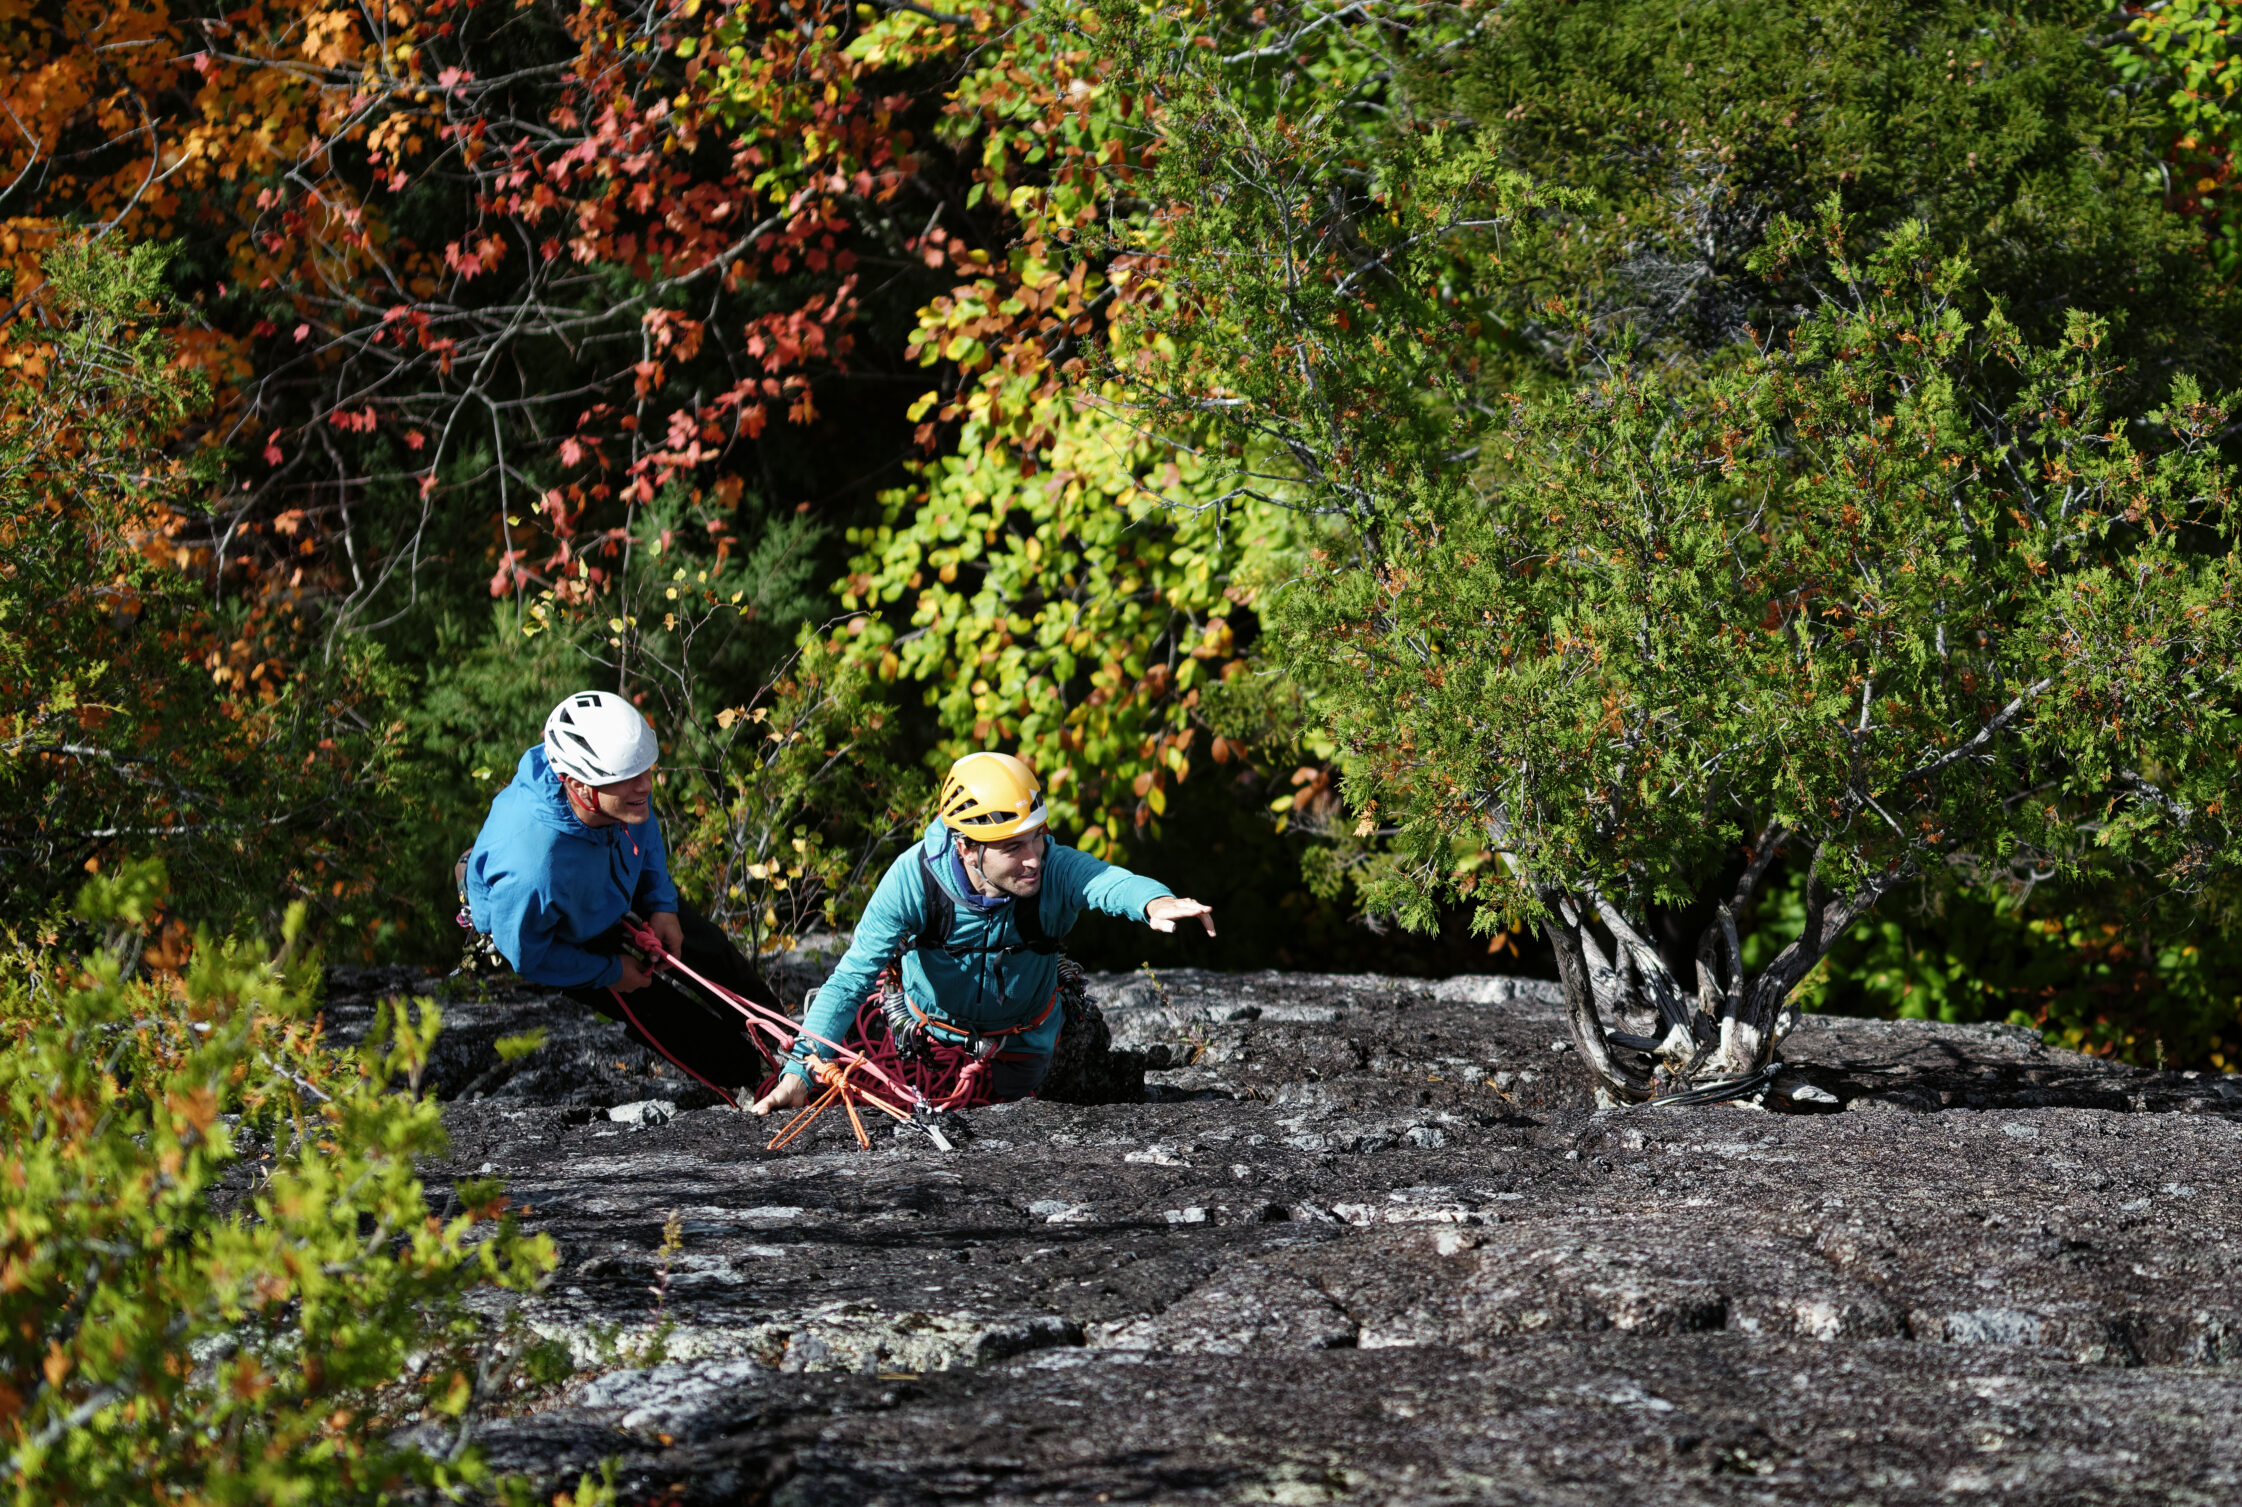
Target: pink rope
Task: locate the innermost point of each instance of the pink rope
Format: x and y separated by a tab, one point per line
782	1030
945	1077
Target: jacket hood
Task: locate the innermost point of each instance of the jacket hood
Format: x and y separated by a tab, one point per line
937	839
548	802
951	869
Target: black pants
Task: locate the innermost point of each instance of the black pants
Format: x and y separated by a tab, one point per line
702	1036
1017	1077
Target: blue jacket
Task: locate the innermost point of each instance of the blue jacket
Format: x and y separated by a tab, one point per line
542	884
980	991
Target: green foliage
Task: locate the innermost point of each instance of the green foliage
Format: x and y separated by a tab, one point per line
222	1281
783	811
1898	587
515	1048
2109	973
2182	65
1059	582
1688	128
1319	290
1064	610
1841	591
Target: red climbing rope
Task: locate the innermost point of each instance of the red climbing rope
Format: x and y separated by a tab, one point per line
945	1074
682	1067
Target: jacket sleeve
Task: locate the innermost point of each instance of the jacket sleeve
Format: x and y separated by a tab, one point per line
897	912
1093	884
656	891
523	922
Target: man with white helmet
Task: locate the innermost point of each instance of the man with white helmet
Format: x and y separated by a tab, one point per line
570	848
967	924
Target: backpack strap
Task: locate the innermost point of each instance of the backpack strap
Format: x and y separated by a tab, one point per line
941	910
941	915
1028	916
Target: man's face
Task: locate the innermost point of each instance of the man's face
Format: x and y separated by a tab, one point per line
624	801
1014	866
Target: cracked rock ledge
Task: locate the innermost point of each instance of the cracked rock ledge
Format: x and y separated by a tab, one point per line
1371	1239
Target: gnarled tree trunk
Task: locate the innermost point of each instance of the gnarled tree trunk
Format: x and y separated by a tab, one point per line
1641	1032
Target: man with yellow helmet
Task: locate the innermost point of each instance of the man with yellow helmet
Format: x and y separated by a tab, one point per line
969	920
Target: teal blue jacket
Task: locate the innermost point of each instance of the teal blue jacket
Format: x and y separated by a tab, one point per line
980	991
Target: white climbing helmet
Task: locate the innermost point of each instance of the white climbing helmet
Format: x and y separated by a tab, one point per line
599	738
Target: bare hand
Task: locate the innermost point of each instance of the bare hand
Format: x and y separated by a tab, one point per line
635	977
664	924
1163	913
793	1092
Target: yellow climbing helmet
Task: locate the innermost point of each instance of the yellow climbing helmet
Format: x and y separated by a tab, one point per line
990	797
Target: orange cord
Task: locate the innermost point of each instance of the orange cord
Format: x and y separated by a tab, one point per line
838	1088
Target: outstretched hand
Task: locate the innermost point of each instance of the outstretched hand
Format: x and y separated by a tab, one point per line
793	1092
1163	913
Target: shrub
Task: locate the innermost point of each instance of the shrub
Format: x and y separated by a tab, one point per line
220	1279
1897	586
135	710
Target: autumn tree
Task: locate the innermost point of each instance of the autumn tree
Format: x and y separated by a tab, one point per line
524	304
130	710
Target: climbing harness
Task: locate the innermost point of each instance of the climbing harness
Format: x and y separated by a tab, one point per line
948	1064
